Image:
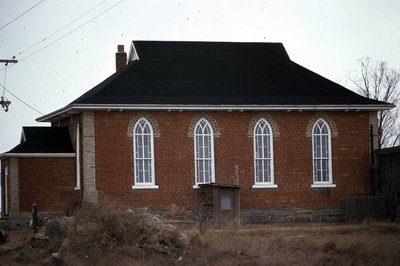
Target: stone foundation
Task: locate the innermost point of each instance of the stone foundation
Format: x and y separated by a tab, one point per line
259	216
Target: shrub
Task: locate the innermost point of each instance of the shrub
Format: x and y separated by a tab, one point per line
104	234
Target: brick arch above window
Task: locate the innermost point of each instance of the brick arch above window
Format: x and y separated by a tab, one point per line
271	121
150	118
327	118
210	120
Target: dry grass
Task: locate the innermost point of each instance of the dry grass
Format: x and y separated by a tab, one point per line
308	244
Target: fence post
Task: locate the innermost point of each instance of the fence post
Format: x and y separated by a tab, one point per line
35	218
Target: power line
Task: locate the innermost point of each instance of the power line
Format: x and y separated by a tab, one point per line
77	28
65	35
21	15
22	101
4	81
65	26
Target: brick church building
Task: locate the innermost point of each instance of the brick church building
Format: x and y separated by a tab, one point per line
177	115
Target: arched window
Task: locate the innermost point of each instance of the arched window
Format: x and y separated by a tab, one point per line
263	155
143	150
322	158
204	152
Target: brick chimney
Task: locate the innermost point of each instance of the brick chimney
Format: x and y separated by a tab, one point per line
120	58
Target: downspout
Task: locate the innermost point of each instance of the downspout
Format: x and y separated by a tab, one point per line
78	164
374	160
372	171
6	190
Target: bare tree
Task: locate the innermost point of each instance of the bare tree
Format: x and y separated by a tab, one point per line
380	82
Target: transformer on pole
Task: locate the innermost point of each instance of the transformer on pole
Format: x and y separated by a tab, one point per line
4	102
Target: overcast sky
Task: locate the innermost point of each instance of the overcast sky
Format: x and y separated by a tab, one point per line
325	36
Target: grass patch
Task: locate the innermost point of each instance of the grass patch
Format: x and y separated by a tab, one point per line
308	244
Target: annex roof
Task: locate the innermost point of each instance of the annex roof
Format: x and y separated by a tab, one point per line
207	75
42	142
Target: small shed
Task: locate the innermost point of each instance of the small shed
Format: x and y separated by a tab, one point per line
221	203
389	179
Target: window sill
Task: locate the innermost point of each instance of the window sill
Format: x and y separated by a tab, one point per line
265	186
77	188
323	185
196	186
145	187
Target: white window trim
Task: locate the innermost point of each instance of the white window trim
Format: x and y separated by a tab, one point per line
260	185
264	184
323	184
212	153
144	185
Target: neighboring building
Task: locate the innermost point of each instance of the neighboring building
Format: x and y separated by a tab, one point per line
39	169
181	114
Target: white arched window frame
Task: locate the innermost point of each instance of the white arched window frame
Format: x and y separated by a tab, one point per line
322	154
143	155
204	153
263	155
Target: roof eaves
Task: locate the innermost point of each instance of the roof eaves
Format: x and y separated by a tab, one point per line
48	117
37	155
188	107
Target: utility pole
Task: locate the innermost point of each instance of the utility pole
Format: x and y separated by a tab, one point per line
5	103
8	61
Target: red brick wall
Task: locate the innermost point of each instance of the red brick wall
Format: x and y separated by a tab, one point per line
174	164
49	182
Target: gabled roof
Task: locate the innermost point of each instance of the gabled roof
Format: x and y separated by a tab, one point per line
42	142
215	75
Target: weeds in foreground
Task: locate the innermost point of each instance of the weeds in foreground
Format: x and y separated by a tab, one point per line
362	244
106	235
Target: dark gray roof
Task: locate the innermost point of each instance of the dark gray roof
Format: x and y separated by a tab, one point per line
44	140
217	73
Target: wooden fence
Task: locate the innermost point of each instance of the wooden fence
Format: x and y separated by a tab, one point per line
389	179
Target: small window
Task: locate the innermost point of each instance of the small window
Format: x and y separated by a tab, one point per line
204	152
143	155
322	158
263	155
